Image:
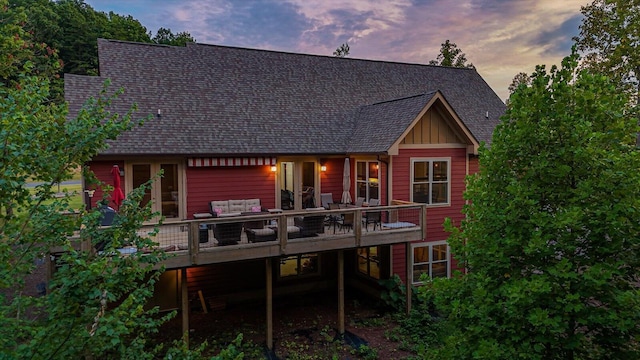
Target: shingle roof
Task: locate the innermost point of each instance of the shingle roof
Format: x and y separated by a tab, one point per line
218	100
380	125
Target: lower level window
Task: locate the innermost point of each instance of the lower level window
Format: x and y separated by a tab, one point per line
369	261
299	265
430	260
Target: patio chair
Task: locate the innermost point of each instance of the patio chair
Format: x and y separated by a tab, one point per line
227	233
286	199
310	225
256	230
359	201
326	199
372	217
332	219
346	222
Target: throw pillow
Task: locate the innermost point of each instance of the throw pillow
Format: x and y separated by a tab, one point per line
218	211
256	209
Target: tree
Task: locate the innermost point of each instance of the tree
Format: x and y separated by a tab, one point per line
72	28
95	303
610	38
451	55
166	37
342	50
551	237
521	78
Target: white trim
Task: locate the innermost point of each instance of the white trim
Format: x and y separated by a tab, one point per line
430	262
413	160
367	182
473	143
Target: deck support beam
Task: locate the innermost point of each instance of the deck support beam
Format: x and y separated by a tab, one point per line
341	327
184	299
409	280
269	301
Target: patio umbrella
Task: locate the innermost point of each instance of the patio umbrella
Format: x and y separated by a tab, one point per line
117	196
346	182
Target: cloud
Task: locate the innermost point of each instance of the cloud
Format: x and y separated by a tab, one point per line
500	37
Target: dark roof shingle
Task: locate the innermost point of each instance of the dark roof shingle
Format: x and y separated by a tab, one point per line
218	100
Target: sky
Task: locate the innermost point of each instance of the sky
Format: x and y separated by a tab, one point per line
500	37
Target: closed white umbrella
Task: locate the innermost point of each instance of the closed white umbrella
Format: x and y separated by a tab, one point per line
346	182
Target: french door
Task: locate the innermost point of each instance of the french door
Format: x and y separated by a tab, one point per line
166	194
298	184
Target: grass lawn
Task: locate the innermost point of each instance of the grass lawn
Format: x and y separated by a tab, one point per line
74	192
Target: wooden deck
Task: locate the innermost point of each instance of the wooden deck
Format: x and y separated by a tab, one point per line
193	242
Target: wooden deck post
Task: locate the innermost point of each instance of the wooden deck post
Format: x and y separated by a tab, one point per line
269	294
341	292
408	282
185	305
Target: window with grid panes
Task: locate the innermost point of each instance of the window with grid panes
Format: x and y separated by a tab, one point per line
367	180
430	259
369	262
430	181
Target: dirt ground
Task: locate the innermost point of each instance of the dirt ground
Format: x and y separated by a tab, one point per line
304	327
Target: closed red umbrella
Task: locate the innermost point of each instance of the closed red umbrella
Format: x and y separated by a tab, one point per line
117	196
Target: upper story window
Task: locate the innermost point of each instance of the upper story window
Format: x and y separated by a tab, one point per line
430	181
368	180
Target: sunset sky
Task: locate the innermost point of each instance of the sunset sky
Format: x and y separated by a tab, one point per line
500	37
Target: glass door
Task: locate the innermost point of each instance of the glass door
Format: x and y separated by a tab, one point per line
297	181
164	194
308	177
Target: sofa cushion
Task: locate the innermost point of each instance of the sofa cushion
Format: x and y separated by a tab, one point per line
219	207
263	231
250	203
237	205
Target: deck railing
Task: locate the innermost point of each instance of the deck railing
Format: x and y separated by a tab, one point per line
276	233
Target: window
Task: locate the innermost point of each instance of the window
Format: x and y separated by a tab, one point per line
431	259
369	261
367	180
299	265
430	181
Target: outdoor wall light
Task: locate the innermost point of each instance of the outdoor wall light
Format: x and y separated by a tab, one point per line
273	168
323	167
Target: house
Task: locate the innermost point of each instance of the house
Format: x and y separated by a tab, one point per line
234	123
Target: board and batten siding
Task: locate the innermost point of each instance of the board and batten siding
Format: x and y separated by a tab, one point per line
435	214
205	184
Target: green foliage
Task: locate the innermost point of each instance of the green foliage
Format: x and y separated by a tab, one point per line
71	28
166	37
342	50
95	306
610	38
451	55
394	294
366	352
551	237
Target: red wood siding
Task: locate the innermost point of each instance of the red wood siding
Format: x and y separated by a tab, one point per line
436	214
224	183
218	279
102	171
331	180
474	165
